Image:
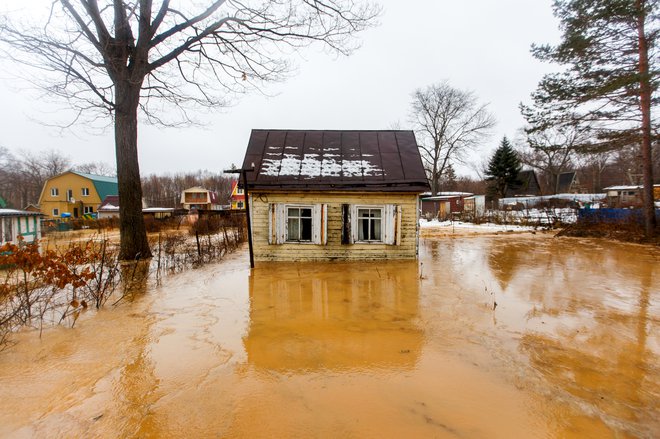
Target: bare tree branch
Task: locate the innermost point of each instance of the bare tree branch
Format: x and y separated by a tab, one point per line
448	123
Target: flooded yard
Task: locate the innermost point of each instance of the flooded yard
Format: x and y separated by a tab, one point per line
484	336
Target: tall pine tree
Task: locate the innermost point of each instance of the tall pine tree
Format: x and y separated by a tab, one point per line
503	169
609	49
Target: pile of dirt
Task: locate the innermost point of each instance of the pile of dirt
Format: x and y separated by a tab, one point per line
619	231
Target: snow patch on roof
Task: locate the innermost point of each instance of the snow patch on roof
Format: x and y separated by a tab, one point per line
312	166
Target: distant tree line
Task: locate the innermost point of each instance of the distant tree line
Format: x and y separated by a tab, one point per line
23	174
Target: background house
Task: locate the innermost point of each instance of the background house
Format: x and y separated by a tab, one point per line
200	199
237	197
528	187
75	193
19	222
568	183
320	195
628	196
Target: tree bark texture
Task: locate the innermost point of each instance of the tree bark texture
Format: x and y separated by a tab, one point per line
645	107
134	244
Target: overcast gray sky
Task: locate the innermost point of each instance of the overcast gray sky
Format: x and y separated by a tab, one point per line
480	45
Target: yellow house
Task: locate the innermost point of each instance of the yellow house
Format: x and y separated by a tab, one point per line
74	194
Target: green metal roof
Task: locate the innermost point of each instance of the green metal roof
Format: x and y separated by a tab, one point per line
104	185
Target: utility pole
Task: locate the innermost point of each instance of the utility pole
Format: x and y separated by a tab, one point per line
243	174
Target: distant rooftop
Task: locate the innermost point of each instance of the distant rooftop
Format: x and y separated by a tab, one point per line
16	212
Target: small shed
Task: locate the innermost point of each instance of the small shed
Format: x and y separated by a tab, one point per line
444	204
323	195
158	212
628	196
19	222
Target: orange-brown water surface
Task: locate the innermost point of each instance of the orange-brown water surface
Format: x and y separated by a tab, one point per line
489	336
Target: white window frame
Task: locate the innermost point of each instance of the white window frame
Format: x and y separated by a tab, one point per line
56	212
88	209
54	192
381	219
85	192
278	223
390	224
299	218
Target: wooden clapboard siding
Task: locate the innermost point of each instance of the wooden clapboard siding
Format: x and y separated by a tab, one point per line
334	249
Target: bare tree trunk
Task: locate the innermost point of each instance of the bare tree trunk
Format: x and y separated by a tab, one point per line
645	105
134	243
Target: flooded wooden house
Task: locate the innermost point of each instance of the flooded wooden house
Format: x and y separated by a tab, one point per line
323	195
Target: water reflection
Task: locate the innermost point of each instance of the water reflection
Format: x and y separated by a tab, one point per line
334	316
383	349
584	315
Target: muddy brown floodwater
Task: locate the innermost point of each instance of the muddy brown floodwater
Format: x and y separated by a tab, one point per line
371	349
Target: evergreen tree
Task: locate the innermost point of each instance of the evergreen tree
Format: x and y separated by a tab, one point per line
448	179
503	169
609	49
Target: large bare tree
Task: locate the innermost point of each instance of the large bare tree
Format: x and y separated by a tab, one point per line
117	58
449	123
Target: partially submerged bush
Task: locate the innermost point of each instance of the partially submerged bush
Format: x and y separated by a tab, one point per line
53	286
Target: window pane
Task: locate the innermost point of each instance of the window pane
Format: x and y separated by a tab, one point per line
306	232
363	229
307	213
375	213
294	211
363	213
375	231
293	230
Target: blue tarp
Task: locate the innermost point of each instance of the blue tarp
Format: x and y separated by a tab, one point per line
613	215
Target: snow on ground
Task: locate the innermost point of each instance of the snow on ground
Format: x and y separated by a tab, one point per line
542	216
471	227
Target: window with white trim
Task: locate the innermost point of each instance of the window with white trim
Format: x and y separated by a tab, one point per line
88	209
54	192
56	212
369	224
85	192
297	223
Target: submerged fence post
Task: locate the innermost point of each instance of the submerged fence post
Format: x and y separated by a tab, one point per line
243	174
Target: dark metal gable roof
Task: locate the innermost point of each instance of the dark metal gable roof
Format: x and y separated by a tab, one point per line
335	160
565	183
